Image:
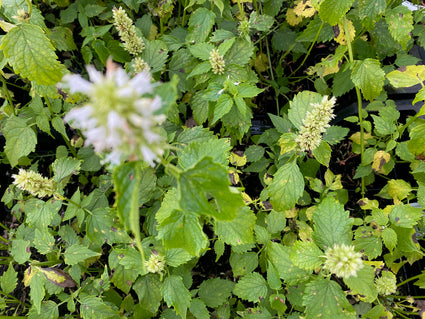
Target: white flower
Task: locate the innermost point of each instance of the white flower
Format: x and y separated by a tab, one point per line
118	119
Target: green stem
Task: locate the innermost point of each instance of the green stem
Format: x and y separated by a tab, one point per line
184	14
409	279
7	93
16	300
272	76
4	227
61	197
29	7
309	49
359	101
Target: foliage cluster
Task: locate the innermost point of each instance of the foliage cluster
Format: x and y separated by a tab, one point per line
217	221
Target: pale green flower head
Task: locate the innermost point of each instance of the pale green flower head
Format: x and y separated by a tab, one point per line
315	124
34	183
217	62
156	263
127	32
343	261
386	284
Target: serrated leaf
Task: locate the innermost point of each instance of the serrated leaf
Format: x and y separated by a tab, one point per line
399	189
148	290
78	253
205	179
9	280
223	106
155	55
182	230
389	237
20	139
201	50
92	307
405	216
58	277
323	153
370	11
322	292
64	167
201	68
260	22
332	11
383	126
371	246
407	76
215	292
278	255
130	258
43	241
240	53
332	224
40	213
300	105
58	125
199	309
369	77
416	145
31	54
400	24
247	90
49	310
252	287
306	255
200	24
244	263
237	231
287	187
334	134
176	294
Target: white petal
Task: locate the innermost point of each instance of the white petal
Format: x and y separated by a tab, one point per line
141	83
77	83
95	75
121	78
148	155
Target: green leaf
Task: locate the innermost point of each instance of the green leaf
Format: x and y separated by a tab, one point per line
20	139
199	309
223	106
416	145
389	237
40	213
176	294
215	292
300	105
332	224
370	245
148	290
287	187
405	237
177	256
200	24
64	167
130	258
182	230
369	77
217	149
37	289
334	134
58	125
247	90
370	11
363	284
155	55
238	231
49	310
332	11
44	242
201	68
9	279
252	287
62	38
92	307
306	255
278	255
400	24
322	292
206	179
407	76
275	221
260	22
254	153
240	53
383	126
405	216
201	50
31	54
78	253
243	264
323	153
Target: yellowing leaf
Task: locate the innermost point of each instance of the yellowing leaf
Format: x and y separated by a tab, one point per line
340	32
366	203
398	189
356	138
292	18
237	160
32	55
379	160
58	277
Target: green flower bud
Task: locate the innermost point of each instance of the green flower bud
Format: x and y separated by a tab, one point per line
127	32
386	284
156	263
217	62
